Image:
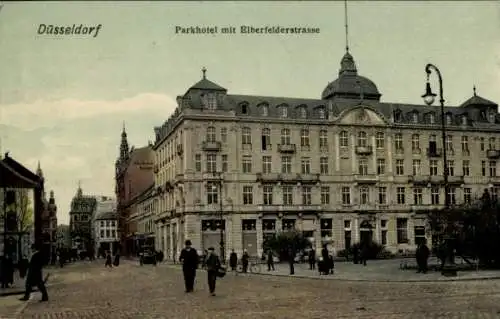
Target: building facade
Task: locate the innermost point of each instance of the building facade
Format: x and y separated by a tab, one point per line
142	217
107	235
82	210
343	168
133	175
105	210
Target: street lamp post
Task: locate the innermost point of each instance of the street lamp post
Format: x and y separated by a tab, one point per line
222	227
449	268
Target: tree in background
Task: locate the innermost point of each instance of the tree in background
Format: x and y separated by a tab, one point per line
281	242
25	211
473	230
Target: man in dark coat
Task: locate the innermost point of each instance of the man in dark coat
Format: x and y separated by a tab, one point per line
212	265
312	259
291	260
244	261
189	260
422	255
35	276
6	271
325	265
233	260
270	260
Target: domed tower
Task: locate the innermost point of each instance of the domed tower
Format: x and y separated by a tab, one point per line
350	85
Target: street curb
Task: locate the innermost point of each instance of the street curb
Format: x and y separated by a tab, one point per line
333	278
324	278
13	293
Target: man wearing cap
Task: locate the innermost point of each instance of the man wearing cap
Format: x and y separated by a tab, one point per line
189	260
212	265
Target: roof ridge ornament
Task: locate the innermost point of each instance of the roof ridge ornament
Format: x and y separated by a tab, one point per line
204	71
346	28
474	89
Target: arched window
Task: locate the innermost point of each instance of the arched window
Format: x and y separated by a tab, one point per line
464	120
322	113
362	139
431	118
303	112
415	117
265	110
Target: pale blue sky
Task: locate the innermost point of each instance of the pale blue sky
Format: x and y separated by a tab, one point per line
63	99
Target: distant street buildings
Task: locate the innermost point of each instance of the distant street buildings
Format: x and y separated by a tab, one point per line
82	210
63	237
105	226
133	176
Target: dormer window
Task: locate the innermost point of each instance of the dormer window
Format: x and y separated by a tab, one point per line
491	117
397	116
284	111
265	110
244	108
464	120
303	112
432	118
414	117
448	119
322	113
211	101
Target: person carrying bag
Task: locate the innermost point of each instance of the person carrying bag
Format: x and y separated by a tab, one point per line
214	270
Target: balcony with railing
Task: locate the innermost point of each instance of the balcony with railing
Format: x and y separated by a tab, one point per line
366	178
211	146
456	180
493	154
289	208
308	178
267	177
419	179
434	152
287	148
364	150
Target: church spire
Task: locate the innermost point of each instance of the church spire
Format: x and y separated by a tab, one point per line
39	171
124	144
79	192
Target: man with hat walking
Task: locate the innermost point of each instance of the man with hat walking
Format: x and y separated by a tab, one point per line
189	259
212	265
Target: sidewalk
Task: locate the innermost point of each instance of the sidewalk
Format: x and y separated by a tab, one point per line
69	273
377	271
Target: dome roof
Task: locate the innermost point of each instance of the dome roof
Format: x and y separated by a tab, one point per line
349	84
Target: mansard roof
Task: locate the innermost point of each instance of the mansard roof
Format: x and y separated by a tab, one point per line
208	85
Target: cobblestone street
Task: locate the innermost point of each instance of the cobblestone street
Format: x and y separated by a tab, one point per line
131	291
